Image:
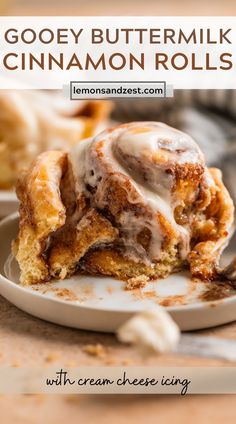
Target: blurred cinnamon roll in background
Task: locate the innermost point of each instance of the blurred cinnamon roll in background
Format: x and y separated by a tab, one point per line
136	200
33	121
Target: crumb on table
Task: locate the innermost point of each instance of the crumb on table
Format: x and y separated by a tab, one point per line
51	357
95	350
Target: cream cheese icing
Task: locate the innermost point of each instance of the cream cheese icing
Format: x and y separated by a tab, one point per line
141	153
152	331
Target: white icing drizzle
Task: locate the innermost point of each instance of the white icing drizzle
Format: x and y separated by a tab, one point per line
141	152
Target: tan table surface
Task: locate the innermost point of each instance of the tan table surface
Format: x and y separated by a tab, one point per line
25	340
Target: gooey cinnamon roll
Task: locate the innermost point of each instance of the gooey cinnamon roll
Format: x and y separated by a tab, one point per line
33	121
136	200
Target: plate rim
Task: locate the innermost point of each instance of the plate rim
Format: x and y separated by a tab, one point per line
8	196
14	217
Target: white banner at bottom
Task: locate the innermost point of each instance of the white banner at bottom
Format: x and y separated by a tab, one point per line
119	380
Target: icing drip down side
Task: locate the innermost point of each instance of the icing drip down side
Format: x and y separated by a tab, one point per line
139	158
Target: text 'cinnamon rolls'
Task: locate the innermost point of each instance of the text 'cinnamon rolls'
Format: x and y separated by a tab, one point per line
136	200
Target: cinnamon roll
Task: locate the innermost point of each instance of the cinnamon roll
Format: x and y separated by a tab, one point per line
135	200
32	122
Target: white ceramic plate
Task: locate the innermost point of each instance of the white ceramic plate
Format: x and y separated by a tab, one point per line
8	202
102	304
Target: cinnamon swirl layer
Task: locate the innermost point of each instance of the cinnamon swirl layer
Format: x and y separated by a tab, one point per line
138	200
